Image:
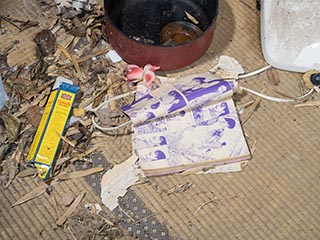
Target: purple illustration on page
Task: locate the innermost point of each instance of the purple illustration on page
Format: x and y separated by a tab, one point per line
186	123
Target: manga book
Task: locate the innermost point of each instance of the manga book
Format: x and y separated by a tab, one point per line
186	123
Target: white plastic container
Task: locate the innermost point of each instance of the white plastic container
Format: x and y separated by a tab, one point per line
290	34
3	95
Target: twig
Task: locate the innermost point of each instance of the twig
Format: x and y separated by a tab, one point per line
65	139
126	214
23	24
246	104
252	108
85	58
253	148
142	219
308	104
106	220
40	189
73	236
205	203
25	107
80	156
40	89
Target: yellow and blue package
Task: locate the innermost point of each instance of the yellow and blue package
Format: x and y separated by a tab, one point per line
47	139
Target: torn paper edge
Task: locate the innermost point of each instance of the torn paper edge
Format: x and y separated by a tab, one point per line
115	182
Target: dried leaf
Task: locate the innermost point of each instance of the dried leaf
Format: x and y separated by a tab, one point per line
3	150
34	115
45	41
98	100
12	125
66	140
77	174
12	168
108	117
24	108
33	194
27	172
71	209
40	189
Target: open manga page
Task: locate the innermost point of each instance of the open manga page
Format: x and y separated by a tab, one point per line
186	123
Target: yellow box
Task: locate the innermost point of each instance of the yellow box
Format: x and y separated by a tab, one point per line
47	139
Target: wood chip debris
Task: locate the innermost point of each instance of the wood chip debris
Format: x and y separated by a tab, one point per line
180	188
191	18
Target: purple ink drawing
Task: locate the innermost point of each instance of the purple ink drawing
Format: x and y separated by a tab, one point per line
187	123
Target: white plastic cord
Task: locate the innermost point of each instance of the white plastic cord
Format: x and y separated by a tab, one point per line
250	74
270	98
108	129
276	99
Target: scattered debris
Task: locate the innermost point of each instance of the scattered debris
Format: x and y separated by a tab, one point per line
308	104
114	56
45	41
44	185
28	172
74	47
86	224
12	125
251	109
180	188
205	203
4	66
94	208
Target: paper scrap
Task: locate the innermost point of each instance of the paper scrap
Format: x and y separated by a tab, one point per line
227	68
116	181
114	56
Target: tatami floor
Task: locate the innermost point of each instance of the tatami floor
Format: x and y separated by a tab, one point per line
274	197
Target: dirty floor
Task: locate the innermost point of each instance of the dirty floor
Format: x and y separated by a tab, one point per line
274	197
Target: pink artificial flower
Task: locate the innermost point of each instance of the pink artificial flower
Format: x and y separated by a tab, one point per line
148	78
151	68
134	73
